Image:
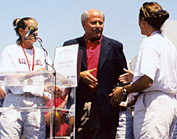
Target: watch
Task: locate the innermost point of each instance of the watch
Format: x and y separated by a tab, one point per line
124	91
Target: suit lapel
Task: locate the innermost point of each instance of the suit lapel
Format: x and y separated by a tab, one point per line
84	57
104	51
84	54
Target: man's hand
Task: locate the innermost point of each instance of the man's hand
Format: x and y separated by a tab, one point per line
116	96
126	77
88	78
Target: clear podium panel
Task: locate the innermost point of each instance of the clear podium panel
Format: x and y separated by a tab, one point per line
63	114
24	87
40	93
25	78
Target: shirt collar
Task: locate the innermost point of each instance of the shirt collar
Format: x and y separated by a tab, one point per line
97	41
155	32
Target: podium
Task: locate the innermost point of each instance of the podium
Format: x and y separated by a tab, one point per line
55	90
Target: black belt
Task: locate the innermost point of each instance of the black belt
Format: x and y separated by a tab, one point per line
25	94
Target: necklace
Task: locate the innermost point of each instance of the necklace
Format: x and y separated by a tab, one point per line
27	58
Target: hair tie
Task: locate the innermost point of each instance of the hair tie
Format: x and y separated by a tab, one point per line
159	11
17	21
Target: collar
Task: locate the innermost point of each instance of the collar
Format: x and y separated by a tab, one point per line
97	41
155	32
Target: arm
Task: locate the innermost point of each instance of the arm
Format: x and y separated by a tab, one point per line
71	116
2	93
71	123
48	115
141	84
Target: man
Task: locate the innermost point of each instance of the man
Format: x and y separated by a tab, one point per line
102	63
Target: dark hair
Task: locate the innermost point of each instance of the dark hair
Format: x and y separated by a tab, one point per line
153	14
20	23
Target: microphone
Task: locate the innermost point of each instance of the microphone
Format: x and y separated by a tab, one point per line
30	31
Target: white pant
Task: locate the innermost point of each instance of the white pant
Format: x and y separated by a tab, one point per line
14	122
154	116
175	132
125	128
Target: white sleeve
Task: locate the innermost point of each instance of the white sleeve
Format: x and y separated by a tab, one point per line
6	62
147	62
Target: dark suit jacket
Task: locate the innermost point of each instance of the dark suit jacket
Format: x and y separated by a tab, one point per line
110	66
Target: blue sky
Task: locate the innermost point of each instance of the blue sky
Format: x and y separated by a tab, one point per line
59	20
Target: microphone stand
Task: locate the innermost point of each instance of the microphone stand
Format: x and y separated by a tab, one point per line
45	52
52	126
45	55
